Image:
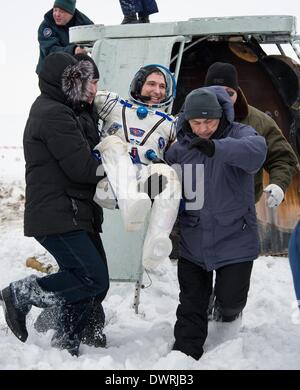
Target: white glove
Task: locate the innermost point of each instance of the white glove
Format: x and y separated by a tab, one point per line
275	195
104	195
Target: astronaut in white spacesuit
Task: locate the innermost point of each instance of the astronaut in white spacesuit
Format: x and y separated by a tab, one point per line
134	137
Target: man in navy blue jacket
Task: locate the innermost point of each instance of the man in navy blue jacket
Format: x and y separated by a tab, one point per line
218	222
53	33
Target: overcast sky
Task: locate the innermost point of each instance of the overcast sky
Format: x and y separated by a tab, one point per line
19	46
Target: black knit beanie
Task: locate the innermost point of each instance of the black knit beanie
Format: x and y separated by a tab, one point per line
221	73
85	57
202	103
66	5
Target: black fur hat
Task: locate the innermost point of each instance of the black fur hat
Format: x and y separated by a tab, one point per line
76	81
85	57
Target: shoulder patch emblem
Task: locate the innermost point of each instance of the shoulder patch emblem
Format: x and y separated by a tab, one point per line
161	143
114	128
136	132
47	32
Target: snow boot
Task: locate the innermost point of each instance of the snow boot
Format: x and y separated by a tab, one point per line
65	341
46	320
221	331
220	315
17	300
15	318
223	327
130	19
92	334
72	319
144	18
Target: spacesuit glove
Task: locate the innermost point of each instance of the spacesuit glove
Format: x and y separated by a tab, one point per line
154	185
275	195
206	146
104	195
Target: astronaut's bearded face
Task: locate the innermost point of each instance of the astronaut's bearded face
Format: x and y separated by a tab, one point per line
155	88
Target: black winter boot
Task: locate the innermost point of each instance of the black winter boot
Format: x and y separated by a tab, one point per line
71	343
71	322
144	18
46	320
92	334
15	318
229	315
17	300
130	19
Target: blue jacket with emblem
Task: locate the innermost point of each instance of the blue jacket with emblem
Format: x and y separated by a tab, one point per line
223	229
53	38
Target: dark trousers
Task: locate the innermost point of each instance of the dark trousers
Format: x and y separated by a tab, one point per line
143	7
231	289
83	272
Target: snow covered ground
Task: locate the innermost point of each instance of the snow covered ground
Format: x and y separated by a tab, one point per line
268	339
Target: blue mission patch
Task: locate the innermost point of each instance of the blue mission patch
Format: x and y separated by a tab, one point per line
136	132
113	129
47	32
161	143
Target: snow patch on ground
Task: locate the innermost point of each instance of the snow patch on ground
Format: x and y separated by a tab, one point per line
269	337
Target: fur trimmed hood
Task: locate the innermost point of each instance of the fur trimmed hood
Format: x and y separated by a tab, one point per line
76	82
66	79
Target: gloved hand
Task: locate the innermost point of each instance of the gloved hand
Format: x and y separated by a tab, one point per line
206	146
154	185
104	195
275	195
158	161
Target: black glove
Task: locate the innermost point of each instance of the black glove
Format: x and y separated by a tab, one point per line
154	185
206	146
158	161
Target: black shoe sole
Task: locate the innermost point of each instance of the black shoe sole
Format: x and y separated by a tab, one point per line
22	336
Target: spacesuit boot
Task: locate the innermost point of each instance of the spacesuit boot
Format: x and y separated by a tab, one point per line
121	173
157	244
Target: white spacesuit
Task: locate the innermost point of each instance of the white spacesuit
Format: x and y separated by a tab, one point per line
133	136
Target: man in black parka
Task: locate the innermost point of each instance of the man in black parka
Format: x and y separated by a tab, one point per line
53	33
61	176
